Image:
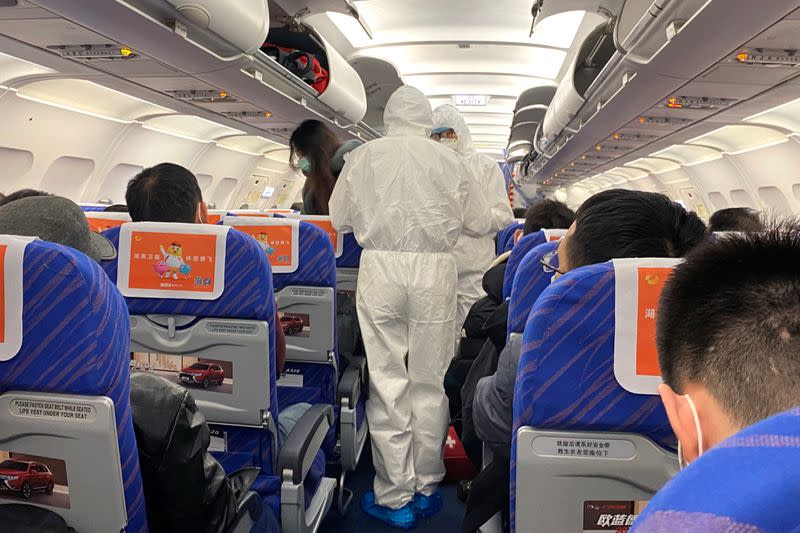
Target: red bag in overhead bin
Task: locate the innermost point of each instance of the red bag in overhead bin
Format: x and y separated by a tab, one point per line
302	64
456	462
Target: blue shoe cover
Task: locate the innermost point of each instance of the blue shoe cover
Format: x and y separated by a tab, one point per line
402	518
427	506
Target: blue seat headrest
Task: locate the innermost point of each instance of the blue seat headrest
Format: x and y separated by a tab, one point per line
504	234
317	261
351	255
529	283
518	253
565	378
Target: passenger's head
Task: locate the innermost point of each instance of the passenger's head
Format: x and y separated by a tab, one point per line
116	208
519	212
313	146
735	219
54	219
729	336
548	214
166	193
20	194
620	224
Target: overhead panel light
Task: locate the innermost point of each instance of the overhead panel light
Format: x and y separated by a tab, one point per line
769	58
201	96
663	121
634	137
90	52
248	116
698	102
471	99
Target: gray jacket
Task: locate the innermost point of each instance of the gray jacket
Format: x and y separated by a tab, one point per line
493	408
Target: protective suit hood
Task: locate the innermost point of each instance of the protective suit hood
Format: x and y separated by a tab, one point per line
408	112
447	116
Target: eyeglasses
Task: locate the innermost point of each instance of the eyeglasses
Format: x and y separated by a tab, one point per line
547	263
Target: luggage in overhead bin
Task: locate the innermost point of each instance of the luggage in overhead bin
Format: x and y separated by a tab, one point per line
302	64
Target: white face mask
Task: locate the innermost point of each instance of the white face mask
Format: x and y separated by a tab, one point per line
681	462
450	143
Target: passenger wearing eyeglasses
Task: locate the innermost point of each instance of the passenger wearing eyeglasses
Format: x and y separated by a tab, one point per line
613	224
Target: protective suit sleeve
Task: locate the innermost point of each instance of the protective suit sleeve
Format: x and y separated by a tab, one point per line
497	197
340	206
477	211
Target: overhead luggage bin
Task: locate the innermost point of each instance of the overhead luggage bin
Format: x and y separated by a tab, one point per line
593	56
531	114
244	23
535	96
523	132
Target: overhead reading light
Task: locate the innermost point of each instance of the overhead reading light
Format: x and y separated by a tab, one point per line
247	115
471	99
633	137
663	121
698	102
207	96
88	52
769	58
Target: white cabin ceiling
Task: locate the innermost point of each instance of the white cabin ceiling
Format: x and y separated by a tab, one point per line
460	47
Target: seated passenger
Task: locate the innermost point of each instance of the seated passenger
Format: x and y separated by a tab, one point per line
485	328
613	224
170	193
54	219
116	208
519	212
735	219
729	350
22	193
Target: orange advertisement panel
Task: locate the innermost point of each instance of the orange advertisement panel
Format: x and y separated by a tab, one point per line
173	262
213	218
100	225
650	283
327	227
554	238
276	241
3	249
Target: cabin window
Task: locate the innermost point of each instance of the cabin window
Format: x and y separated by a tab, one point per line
740	198
67	176
773	198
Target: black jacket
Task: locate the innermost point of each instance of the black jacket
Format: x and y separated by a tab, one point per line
185	488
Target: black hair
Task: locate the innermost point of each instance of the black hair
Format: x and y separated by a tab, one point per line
548	214
519	212
729	320
20	194
315	141
116	208
620	223
164	193
735	219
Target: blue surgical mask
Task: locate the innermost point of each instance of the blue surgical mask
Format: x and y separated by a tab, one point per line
450	143
304	164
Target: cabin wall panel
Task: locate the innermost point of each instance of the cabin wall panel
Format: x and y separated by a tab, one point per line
775	166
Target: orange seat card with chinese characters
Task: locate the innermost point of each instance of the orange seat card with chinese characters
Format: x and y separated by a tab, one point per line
327	226
12	255
638	287
278	237
100	222
184	261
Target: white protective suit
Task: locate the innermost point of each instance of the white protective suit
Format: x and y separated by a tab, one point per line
474	255
407	199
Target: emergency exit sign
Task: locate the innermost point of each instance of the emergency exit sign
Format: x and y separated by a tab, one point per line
471	99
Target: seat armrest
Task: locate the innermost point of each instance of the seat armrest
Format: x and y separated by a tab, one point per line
349	389
301	446
242	480
248	512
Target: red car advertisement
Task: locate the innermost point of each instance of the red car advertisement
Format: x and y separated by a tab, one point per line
189	371
37	479
295	324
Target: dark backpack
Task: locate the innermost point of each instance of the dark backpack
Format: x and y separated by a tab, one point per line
302	64
19	518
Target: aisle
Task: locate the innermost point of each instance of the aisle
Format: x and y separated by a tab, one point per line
356	521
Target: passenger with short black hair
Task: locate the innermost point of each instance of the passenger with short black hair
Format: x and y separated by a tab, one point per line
728	336
548	214
20	194
166	193
519	212
735	219
613	224
116	208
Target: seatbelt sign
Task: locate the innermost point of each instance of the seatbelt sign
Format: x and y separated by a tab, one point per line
100	221
181	261
278	237
638	287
